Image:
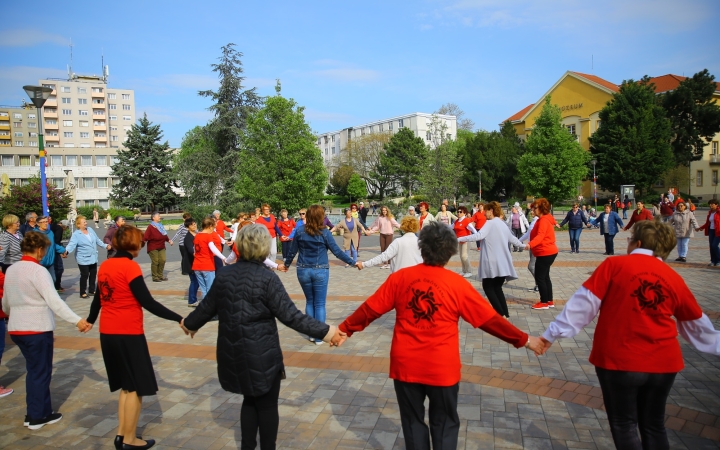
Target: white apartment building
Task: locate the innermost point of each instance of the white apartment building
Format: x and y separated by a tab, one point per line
331	144
85	122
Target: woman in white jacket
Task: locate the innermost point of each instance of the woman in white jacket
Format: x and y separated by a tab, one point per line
30	299
402	252
518	224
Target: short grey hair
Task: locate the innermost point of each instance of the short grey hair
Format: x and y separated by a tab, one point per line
155	213
253	242
216	212
42	218
30	215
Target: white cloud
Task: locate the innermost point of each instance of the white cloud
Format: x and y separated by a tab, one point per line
344	72
30	37
12	79
162	115
171	83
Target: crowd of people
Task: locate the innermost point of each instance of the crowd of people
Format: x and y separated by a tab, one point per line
245	298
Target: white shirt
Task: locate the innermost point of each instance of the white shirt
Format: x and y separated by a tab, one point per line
402	252
712	221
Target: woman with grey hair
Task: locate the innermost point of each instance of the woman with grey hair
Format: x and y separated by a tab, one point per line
156	237
247	298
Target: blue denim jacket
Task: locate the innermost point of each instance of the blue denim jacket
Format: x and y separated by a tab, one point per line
312	250
613	223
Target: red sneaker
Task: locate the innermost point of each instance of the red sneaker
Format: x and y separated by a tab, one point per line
540	305
551	304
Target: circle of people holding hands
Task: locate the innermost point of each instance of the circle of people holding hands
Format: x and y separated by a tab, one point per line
635	352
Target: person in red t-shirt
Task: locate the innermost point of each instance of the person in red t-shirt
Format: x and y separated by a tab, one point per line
542	244
641	213
220	229
122	294
463	227
635	349
270	222
286	226
479	220
3	391
424	359
208	246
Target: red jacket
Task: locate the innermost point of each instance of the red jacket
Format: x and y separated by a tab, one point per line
2	284
286	226
637	217
706	227
542	237
155	239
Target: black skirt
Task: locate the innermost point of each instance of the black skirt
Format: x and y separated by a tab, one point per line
128	363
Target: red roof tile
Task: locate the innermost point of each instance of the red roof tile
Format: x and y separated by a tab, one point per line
666	83
600	81
518	115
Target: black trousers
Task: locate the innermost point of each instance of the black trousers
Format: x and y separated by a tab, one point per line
285	246
218	261
517	232
636	400
496	296
260	413
59	269
89	271
609	243
542	276
183	257
38	352
444	420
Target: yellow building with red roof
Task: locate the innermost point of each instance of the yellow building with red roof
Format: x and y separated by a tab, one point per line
581	96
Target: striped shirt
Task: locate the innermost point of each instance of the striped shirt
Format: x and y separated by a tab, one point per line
180	235
10	243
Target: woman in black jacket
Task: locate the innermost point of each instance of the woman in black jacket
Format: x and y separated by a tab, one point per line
247	298
575	220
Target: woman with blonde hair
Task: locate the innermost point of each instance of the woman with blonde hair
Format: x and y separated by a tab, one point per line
10	241
402	252
684	223
384	224
445	217
84	242
635	349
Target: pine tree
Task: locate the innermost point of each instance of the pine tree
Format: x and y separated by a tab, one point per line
144	170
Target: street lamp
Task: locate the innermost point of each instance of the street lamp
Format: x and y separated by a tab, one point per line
480	184
594	161
38	95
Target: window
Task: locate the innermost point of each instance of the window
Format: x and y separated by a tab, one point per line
111	96
24	182
50	122
65	100
24	160
714	177
68	134
126	96
448	136
84	123
33	134
67	123
326	152
31	116
84	135
82	101
8	160
51	133
571	129
113	117
127	118
19	144
82	90
114	160
32	124
88	183
17	124
699	178
50	110
113	106
98	123
18	134
86	160
51	86
597	124
32	144
105	204
59	183
714	148
114	138
84	145
113	128
17	116
333	150
100	145
126	107
83	112
101	160
69	145
71	160
428	136
55	160
98	112
400	123
99	135
102	182
67	112
65	89
97	90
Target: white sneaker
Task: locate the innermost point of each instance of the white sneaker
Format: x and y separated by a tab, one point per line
467	275
318	342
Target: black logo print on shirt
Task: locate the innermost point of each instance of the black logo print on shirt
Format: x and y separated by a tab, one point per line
650	295
105	290
423	305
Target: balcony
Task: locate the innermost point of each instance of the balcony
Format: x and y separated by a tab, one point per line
51	102
51	126
4	125
4	143
100	94
99	126
715	159
100	139
51	114
97	103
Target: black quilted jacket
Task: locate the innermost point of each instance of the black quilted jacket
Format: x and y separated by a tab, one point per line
247	298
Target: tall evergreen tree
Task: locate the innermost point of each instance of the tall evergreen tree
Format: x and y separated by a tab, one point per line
694	116
280	163
632	145
144	170
554	163
195	167
404	159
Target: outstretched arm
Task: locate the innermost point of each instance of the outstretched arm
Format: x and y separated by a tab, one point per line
579	311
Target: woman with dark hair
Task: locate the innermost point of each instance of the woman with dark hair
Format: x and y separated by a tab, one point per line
575	220
610	224
712	231
542	244
122	294
635	349
425	216
496	264
424	359
445	216
247	299
311	243
463	227
156	237
30	299
384	225
208	246
188	258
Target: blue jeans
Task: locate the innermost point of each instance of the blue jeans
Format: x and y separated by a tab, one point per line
575	239
609	244
714	250
352	252
682	246
205	280
314	283
192	290
624	213
38	352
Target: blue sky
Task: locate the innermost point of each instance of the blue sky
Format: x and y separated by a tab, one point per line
352	62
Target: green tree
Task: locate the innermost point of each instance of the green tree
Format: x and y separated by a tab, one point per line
195	167
440	177
694	116
452	109
144	170
554	163
280	163
632	146
364	155
404	158
27	198
339	181
356	188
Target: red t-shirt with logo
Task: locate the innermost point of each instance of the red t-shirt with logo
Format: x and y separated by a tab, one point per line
203	255
121	313
479	219
635	330
428	302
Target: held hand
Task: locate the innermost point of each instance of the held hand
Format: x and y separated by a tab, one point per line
108	247
338	339
359	265
536	345
64	255
187	332
83	326
171	242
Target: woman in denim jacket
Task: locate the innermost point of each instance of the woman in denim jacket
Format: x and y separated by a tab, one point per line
84	242
311	242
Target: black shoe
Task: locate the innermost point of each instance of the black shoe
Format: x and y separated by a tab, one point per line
148	443
36	424
119	441
678	259
683	259
606	253
26	422
91	293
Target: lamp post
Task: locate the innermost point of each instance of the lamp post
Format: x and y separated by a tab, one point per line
480	184
594	161
38	95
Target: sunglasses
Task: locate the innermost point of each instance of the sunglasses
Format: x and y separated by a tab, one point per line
302	214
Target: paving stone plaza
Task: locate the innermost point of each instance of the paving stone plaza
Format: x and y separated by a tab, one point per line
343	398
